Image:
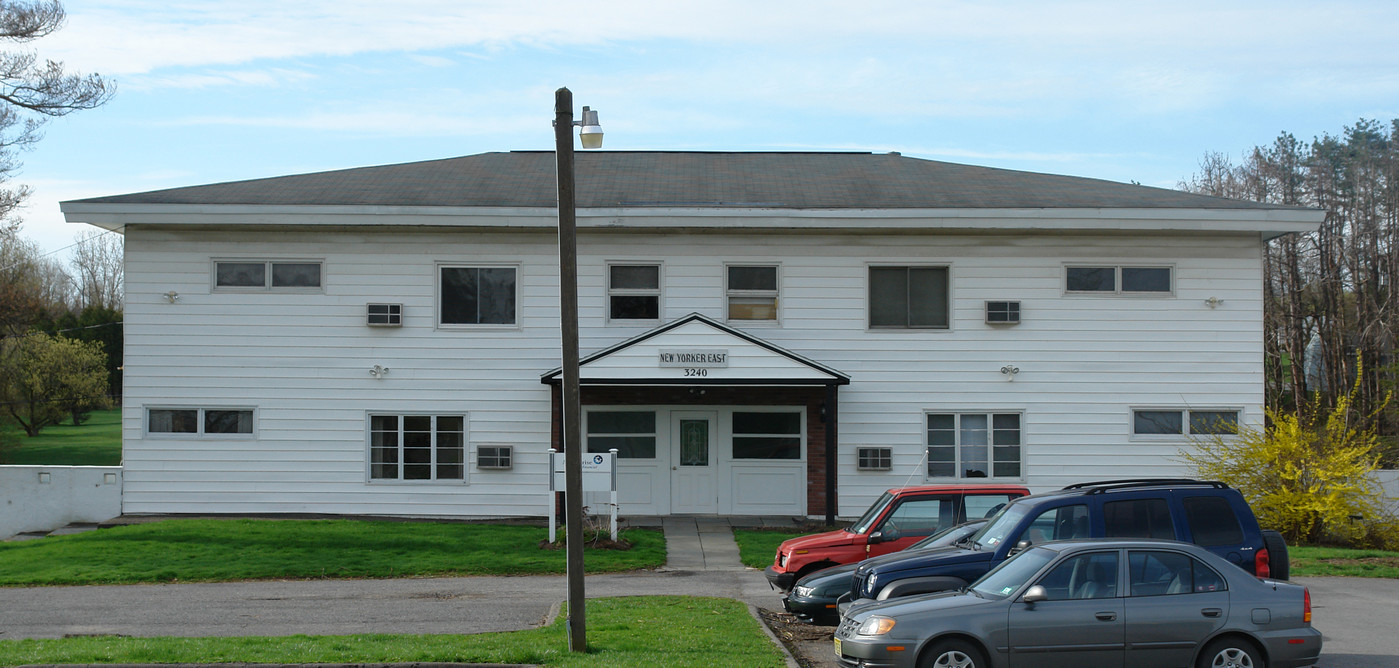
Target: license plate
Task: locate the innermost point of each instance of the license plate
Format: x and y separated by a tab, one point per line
838	647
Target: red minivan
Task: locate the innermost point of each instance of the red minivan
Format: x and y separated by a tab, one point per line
901	517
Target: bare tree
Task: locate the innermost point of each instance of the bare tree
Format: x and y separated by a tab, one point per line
1331	310
31	91
97	269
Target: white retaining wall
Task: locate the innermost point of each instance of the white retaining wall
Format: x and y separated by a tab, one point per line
43	498
1389	479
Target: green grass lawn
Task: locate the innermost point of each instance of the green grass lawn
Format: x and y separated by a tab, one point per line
247	549
757	547
97	442
641	631
1341	561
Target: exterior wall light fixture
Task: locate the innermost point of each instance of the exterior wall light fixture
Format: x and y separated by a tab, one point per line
1009	371
379	371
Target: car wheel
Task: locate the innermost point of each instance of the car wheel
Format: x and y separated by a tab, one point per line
1278	563
1230	653
954	654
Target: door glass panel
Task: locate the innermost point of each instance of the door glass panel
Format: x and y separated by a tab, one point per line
694	442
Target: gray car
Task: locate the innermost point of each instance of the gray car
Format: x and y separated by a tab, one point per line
1089	604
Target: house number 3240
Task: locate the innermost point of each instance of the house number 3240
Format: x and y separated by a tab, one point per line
696	372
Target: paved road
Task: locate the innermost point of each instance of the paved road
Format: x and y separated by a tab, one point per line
1358	616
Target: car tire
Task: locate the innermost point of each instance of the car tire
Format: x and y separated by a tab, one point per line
1230	652
1279	566
954	653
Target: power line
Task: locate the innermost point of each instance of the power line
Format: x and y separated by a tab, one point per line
72	245
36	332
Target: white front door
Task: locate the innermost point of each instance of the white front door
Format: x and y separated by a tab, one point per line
693	487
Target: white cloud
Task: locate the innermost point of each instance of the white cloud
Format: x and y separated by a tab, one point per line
135	36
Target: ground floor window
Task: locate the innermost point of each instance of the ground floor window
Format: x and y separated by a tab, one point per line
632	433
1184	422
200	421
768	435
974	445
417	447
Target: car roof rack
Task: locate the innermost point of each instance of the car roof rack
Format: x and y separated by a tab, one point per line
1101	486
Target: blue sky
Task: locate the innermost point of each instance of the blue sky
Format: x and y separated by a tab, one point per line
1128	91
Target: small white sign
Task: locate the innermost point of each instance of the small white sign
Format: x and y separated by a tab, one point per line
597	472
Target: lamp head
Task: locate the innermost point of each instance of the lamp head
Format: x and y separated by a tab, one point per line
591	132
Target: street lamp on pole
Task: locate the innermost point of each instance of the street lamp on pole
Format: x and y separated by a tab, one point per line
591	136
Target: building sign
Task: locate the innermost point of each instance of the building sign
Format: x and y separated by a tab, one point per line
695	358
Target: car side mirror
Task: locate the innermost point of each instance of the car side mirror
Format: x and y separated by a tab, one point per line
1021	547
1035	594
876	537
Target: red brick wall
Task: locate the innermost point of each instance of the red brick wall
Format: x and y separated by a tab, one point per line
811	397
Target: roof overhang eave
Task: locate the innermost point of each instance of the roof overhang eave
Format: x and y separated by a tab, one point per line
1269	222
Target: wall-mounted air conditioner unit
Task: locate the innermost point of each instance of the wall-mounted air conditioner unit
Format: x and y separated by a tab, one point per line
1002	313
384	315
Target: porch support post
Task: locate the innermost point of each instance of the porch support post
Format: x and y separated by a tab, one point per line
832	424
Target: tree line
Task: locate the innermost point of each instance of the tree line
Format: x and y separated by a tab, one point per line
60	330
60	325
1331	308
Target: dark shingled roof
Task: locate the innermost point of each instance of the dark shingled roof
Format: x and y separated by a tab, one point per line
687	179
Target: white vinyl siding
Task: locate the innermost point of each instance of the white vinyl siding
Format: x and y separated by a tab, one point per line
303	358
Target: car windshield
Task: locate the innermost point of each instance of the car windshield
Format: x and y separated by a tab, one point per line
944	537
996	531
863	524
1012	574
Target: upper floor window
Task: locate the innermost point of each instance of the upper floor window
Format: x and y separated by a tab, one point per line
634	292
752	292
267	274
200	421
974	445
1184	422
908	297
1151	280
476	295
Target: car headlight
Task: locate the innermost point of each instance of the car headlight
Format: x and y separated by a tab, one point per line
781	559
870	584
803	591
876	626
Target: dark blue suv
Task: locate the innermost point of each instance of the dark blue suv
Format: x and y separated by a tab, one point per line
1209	514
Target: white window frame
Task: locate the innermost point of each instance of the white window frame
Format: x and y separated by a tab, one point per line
775	294
1117	268
199	422
459	326
1186	434
267	274
869	298
957	463
658	292
466	463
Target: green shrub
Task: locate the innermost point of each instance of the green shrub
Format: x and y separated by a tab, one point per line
1309	477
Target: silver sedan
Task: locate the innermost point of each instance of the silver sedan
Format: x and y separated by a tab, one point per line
1089	604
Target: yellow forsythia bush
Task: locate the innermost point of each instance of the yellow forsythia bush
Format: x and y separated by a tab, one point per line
1308	479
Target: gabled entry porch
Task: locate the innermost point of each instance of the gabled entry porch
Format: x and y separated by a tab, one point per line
710	420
